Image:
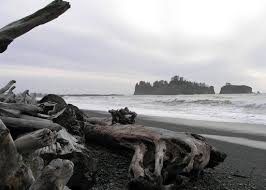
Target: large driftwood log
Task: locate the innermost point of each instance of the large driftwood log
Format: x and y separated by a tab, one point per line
22	26
30	124
54	176
27	108
159	155
30	142
10	113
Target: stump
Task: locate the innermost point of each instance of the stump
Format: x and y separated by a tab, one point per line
123	116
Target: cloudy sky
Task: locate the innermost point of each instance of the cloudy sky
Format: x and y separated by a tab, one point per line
103	46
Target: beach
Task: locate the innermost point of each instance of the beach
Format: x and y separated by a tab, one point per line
244	167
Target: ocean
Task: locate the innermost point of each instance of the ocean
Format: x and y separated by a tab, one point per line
239	108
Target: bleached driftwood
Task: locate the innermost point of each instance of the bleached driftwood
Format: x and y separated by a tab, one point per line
35	140
22	97
9	96
65	144
7	86
14	173
54	176
10	113
22	26
27	108
30	123
159	155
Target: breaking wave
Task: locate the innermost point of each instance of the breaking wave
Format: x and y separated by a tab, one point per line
247	108
204	102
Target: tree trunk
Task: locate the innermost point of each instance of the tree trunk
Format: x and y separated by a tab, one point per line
22	26
160	155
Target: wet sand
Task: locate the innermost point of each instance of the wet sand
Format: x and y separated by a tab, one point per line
245	165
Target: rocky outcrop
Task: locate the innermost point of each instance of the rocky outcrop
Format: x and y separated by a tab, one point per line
177	85
235	89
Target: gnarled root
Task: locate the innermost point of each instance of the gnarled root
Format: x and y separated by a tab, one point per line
136	168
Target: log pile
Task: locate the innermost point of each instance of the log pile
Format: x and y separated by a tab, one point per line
40	142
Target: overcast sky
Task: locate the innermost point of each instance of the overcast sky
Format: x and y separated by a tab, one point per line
106	46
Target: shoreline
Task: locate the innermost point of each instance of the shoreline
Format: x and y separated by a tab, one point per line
242	159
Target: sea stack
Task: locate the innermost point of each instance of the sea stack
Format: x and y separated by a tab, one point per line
177	85
235	89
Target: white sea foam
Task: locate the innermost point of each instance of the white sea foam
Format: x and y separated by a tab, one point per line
239	140
244	108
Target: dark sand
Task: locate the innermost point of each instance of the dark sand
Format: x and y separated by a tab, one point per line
250	163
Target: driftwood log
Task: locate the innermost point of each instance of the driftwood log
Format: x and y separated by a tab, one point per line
123	116
30	123
14	173
22	26
7	86
160	155
27	108
35	140
54	176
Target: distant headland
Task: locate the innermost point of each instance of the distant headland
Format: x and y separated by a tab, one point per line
177	85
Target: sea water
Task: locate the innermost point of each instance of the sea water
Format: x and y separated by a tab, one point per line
240	108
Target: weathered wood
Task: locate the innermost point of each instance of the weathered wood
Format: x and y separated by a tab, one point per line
28	108
22	26
123	116
22	97
99	121
30	124
136	169
9	157
65	144
37	117
14	173
10	113
7	86
10	96
160	153
54	176
38	139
